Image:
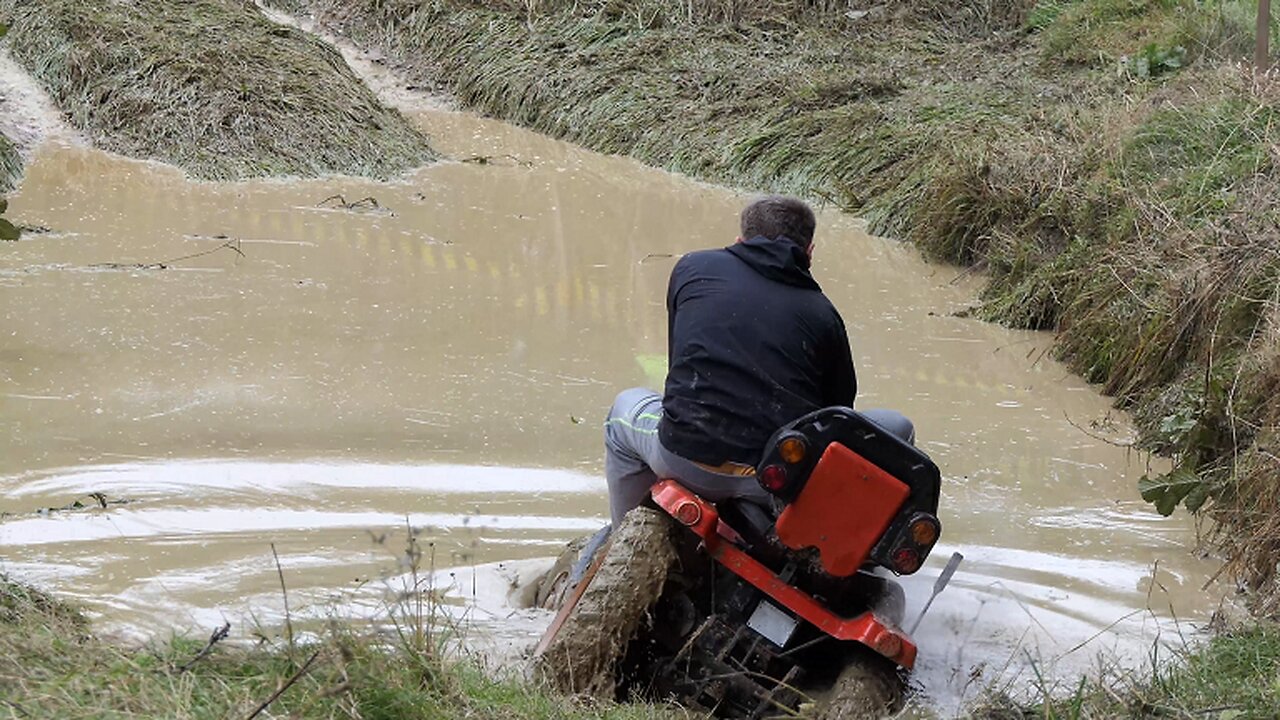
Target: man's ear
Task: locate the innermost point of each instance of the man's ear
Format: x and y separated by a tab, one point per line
738	240
809	250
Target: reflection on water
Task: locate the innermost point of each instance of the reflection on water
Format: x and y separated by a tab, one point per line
348	371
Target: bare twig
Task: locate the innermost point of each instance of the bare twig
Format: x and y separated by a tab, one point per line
218	636
655	256
365	203
1218	708
489	160
288	684
233	245
99	499
284	592
1146	305
974	268
1101	632
1127	444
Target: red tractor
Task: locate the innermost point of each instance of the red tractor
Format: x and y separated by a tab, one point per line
749	612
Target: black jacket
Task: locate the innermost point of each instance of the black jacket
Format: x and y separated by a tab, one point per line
752	345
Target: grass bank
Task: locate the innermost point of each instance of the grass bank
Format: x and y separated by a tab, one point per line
1233	677
1107	162
10	164
53	666
209	85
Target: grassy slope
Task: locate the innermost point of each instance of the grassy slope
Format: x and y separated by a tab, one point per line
51	666
10	164
1102	159
211	86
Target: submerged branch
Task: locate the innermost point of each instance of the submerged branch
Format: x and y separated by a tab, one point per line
233	245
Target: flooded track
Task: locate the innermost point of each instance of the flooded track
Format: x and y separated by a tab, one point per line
253	365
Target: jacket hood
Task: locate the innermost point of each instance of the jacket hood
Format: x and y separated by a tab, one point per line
781	260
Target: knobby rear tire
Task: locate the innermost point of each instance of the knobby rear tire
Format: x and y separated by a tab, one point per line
551	589
868	688
615	607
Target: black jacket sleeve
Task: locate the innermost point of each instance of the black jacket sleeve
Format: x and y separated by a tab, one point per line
839	382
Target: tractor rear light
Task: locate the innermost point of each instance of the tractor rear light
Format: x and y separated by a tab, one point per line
906	561
924	531
773	478
688	513
792	449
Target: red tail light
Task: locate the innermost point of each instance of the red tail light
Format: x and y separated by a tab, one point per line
906	561
773	478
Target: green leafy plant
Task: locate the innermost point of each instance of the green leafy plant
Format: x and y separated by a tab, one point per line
1182	485
1155	60
8	231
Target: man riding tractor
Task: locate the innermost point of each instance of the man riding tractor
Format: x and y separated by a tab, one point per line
753	344
760	380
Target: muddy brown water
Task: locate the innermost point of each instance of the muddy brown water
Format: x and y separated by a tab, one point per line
444	360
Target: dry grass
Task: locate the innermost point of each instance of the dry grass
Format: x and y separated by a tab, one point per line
962	16
10	164
211	86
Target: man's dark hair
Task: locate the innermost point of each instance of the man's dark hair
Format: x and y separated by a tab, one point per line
775	216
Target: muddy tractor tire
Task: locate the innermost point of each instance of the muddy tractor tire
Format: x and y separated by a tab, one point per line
583	656
549	590
869	688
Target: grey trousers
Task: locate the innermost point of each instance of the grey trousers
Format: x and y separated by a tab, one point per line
635	459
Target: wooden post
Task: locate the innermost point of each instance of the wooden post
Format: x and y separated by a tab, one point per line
1261	56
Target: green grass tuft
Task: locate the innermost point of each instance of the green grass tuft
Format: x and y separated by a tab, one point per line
1197	156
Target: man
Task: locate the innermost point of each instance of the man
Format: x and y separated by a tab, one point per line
752	345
